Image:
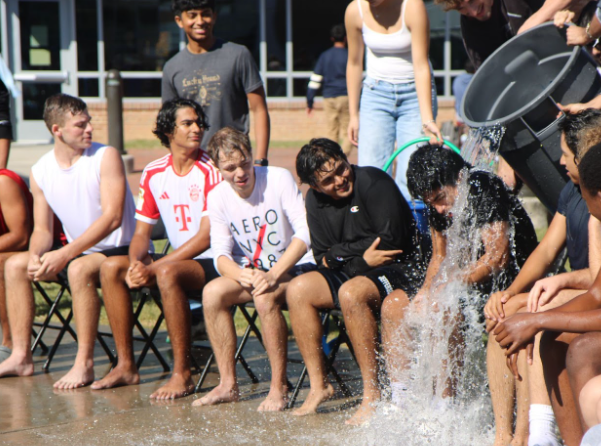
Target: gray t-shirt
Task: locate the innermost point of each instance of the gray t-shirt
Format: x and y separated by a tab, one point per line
218	80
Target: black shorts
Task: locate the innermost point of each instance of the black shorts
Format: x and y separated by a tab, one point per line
407	276
111	252
207	265
303	268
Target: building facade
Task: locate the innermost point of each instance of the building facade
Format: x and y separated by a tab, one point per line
68	45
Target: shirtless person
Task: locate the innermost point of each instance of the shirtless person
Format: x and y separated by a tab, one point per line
260	240
173	188
83	183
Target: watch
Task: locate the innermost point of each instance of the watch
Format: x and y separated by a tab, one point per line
262	162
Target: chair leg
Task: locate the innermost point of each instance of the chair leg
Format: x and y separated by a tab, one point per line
58	340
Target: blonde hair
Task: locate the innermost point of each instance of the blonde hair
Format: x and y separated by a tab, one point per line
228	140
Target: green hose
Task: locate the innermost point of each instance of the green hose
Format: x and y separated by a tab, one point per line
416	141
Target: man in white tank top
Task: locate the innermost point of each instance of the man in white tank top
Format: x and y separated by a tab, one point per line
83	184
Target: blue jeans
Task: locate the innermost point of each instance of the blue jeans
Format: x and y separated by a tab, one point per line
388	113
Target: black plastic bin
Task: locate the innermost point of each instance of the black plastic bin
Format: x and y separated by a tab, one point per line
519	87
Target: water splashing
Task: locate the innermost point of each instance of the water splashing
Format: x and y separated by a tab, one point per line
481	148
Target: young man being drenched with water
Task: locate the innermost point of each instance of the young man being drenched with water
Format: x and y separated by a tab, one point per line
364	240
83	183
260	241
493	236
173	188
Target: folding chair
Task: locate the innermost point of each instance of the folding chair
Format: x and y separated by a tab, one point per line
334	346
63	327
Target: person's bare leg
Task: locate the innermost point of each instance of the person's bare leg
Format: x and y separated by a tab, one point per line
360	299
219	296
174	279
503	386
583	364
4	323
84	275
305	296
521	431
275	339
542	420
553	351
590	402
502	391
117	301
21	310
395	341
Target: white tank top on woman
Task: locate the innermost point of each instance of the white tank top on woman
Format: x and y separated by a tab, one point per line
388	55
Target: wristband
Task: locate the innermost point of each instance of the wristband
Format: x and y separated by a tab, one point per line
587	31
262	162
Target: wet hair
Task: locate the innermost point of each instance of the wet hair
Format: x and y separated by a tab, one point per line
179	6
229	140
589	168
58	105
448	5
431	168
574	127
338	33
167	117
313	156
590	135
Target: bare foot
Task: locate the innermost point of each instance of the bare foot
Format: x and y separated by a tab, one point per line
363	414
276	400
16	365
79	376
314	399
119	376
178	386
220	394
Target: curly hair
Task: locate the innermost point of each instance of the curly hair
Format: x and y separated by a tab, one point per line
179	6
165	123
431	168
314	155
581	130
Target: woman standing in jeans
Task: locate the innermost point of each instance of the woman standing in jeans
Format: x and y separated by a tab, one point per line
398	100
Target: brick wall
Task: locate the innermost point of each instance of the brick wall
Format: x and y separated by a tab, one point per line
289	121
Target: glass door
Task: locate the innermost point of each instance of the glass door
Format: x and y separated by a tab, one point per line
43	60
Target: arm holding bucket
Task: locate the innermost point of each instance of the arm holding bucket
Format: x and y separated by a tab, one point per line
546	13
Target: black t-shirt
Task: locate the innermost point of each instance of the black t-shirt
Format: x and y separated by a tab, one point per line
481	39
573	207
489	201
341	230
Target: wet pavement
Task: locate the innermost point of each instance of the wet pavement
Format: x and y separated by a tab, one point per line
32	412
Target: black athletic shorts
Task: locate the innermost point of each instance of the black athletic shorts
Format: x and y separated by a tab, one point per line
407	276
207	264
111	252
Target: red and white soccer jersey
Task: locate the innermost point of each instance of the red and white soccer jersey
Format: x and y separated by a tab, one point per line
181	201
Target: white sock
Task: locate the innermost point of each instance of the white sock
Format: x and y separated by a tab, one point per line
542	426
398	390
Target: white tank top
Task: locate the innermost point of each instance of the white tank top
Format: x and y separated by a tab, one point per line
74	196
388	55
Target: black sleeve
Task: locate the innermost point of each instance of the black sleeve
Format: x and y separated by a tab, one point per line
390	217
319	239
489	199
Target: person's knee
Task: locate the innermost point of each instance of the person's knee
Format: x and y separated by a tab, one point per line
393	305
16	267
357	292
113	269
266	303
296	293
212	296
580	352
84	270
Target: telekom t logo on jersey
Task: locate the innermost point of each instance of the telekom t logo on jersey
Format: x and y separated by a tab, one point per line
183	210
